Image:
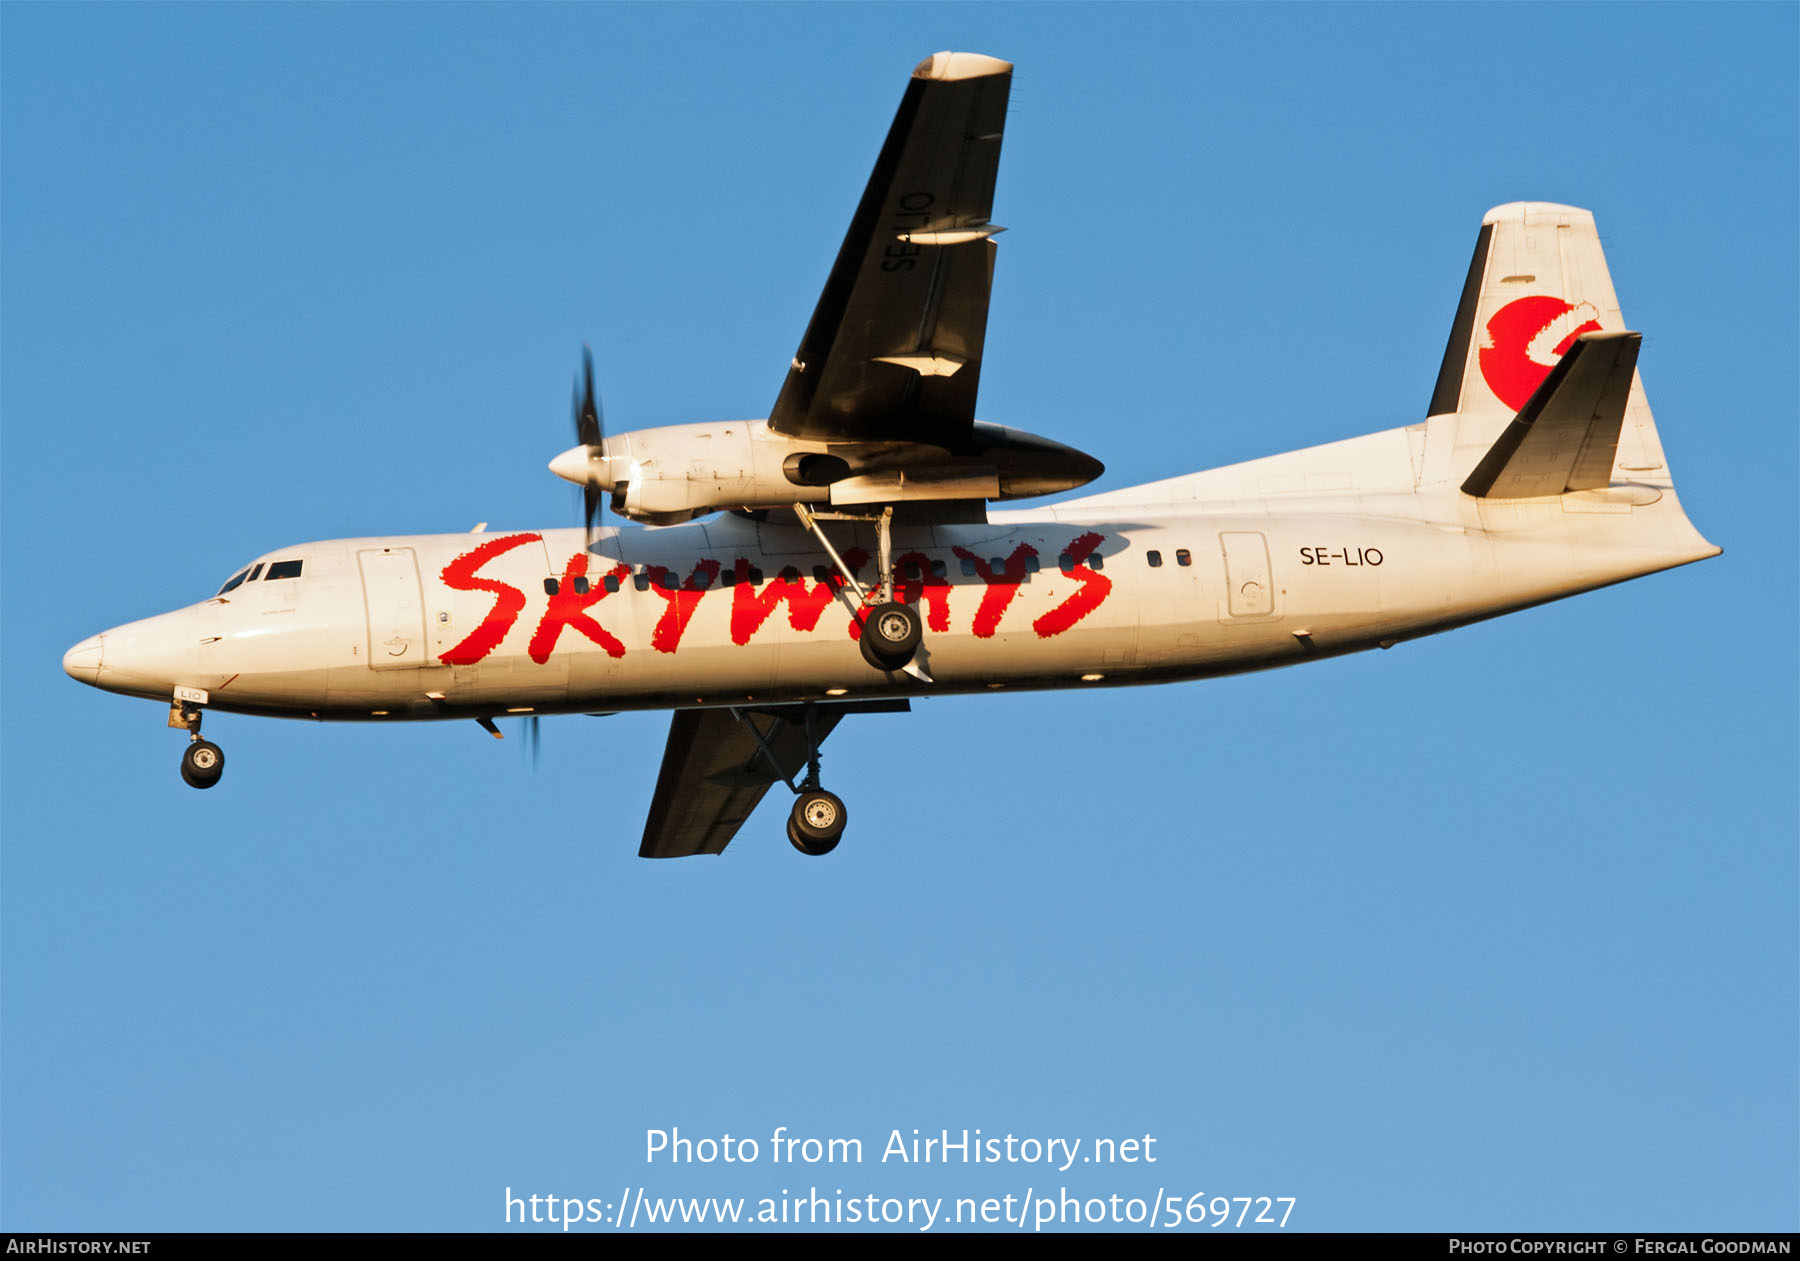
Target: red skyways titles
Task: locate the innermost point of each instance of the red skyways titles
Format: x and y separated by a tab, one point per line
1004	585
682	600
459	575
1095	587
568	607
1001	587
568	604
750	608
917	581
572	598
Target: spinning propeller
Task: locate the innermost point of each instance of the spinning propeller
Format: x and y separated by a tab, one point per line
576	464
590	433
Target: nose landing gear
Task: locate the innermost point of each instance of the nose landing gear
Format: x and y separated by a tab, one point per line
202	762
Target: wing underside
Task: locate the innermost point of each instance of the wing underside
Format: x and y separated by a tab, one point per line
715	771
893	352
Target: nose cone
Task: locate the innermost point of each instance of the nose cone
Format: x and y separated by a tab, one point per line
572	465
82	662
147	658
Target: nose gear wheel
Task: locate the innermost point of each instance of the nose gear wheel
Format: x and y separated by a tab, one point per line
202	763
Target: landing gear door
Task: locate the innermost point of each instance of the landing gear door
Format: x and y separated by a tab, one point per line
395	606
1249	590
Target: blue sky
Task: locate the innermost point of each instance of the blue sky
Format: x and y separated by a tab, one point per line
1494	931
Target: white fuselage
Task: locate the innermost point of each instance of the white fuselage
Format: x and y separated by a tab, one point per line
727	610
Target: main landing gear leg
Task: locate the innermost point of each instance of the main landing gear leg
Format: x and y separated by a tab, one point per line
202	762
891	631
816	823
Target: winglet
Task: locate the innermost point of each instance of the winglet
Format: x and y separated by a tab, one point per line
1567	434
946	66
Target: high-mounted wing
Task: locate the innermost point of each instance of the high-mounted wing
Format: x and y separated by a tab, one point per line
714	772
878	406
894	348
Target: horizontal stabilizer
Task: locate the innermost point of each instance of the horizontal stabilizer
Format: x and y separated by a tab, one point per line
1566	435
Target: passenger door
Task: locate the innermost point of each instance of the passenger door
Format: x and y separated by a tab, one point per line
395	608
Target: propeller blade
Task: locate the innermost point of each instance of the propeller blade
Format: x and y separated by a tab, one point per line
591	499
590	431
588	428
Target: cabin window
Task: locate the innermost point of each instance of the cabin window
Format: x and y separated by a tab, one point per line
1183	556
610	582
821	574
728	577
581	585
1096	561
968	567
756	576
283	569
550	586
641	580
1066	563
1032	565
790	574
939	569
1155	559
666	581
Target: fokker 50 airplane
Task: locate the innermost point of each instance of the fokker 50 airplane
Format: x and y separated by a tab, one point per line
848	558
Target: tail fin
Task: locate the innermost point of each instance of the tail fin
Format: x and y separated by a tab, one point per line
1537	284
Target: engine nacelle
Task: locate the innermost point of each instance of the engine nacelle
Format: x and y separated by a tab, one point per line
678	472
675	473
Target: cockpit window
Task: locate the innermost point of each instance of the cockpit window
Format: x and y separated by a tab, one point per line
283	569
251	575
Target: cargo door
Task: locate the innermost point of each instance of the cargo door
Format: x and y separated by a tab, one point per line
1249	591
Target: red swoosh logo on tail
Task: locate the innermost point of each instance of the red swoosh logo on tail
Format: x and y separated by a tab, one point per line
1506	362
